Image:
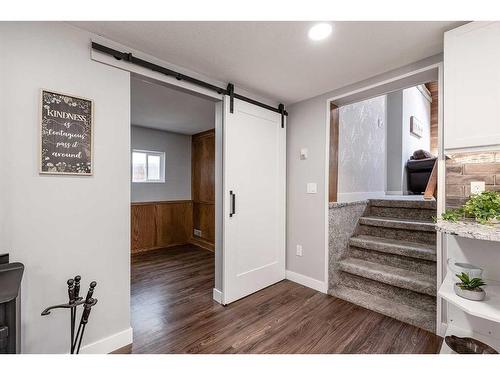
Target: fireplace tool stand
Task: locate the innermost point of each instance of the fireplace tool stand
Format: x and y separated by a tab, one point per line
74	301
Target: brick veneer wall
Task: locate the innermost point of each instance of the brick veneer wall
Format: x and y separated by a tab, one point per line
462	168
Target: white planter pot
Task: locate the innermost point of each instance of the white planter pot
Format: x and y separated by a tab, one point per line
472	295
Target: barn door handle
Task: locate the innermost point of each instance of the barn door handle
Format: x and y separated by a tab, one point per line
232	207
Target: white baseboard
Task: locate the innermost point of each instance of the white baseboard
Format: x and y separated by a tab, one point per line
217	296
110	343
394	192
441	329
318	285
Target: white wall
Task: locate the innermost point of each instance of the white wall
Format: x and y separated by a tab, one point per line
60	226
305	212
177	149
415	104
307	217
362	150
401	144
395	172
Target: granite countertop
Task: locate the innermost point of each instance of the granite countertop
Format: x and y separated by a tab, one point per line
345	204
470	229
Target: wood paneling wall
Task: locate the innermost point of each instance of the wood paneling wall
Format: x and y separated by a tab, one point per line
143	229
462	168
433	88
203	187
333	170
160	224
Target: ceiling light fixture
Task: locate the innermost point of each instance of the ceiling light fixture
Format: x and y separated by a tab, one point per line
320	31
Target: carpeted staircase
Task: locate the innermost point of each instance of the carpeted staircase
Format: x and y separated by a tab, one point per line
390	265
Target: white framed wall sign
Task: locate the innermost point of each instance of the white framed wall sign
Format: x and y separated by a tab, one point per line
66	134
416	127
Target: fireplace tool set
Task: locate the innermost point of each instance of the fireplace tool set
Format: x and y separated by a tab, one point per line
74	301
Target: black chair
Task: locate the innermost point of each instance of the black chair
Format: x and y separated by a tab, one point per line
418	173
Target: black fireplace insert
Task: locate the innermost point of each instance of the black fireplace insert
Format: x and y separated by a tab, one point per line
10	281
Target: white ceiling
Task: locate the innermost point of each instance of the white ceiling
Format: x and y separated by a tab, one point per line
159	107
276	59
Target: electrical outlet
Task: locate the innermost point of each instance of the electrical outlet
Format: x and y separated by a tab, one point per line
299	250
477	187
197	232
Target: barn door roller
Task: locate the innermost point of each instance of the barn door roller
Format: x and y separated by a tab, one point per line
127	56
230	92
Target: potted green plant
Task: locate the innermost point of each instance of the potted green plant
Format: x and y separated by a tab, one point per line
484	208
470	288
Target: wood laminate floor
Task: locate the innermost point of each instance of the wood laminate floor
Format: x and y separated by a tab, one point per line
173	312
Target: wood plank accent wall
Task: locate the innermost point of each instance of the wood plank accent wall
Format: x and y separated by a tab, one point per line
462	168
156	225
203	188
433	88
334	153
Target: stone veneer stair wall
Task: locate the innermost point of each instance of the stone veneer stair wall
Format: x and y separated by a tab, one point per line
382	256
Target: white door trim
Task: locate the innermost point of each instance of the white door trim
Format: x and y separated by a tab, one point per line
400	77
218	296
441	313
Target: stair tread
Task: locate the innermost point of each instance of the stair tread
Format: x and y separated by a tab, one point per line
397	310
398	223
393	246
402	278
404	203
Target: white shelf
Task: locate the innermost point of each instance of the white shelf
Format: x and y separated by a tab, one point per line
488	309
452	330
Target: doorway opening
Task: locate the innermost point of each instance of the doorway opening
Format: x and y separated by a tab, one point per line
385	152
385	146
173	199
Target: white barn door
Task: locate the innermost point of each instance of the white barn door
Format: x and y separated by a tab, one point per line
254	199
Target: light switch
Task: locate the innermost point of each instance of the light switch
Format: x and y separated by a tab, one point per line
312	188
303	153
299	251
477	187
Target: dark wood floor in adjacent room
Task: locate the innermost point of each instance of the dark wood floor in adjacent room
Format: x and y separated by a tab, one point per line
173	312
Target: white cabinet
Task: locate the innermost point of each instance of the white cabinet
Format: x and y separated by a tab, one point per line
472	86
